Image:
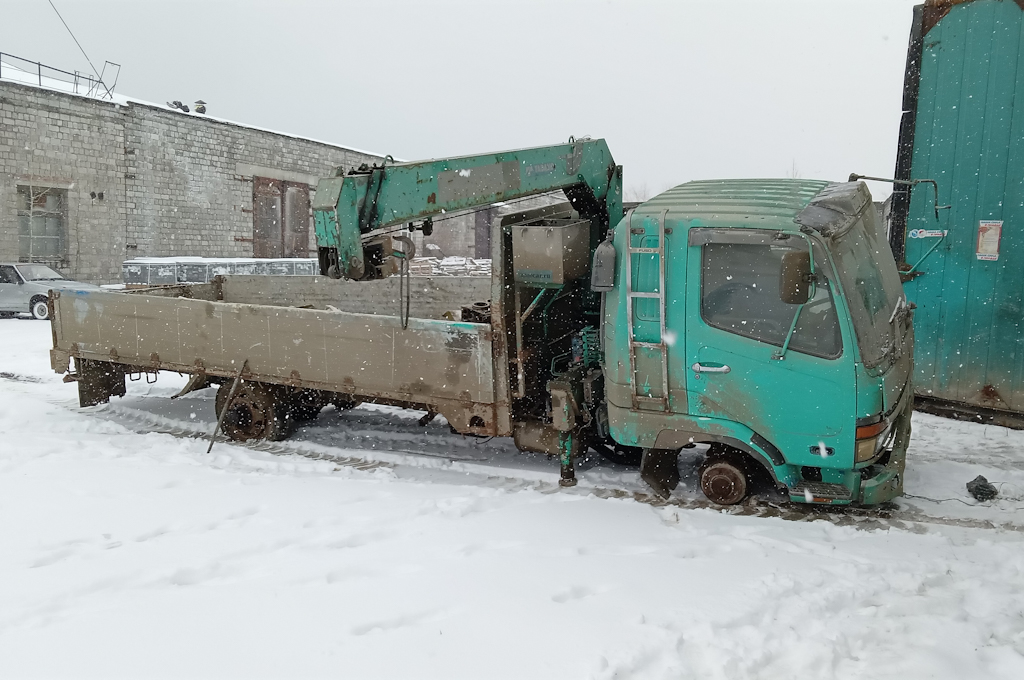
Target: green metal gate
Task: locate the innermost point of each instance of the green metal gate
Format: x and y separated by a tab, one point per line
965	265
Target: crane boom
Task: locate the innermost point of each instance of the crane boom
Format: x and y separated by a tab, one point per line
349	210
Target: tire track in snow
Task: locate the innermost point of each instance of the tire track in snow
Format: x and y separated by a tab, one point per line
511	479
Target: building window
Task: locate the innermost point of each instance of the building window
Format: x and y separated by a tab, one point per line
280	218
42	220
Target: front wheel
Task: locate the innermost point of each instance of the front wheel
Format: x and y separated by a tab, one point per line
39	309
723	480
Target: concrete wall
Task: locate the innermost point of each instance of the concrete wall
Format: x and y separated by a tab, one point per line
173	184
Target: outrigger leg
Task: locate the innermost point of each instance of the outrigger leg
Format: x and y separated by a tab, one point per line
569	447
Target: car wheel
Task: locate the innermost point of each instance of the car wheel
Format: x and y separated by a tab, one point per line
39	309
7	315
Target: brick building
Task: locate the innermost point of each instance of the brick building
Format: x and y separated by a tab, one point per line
86	183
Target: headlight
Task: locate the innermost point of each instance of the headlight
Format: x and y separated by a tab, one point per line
865	450
869	437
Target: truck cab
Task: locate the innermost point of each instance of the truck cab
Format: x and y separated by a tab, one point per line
765	318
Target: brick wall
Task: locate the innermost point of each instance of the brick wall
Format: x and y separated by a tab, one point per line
173	184
73	144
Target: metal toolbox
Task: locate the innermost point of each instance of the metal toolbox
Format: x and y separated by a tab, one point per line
550	252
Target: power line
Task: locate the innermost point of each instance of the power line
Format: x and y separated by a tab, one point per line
76	42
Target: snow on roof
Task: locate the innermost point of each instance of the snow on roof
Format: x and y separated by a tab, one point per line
11	73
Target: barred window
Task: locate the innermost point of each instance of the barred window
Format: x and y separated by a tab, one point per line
42	217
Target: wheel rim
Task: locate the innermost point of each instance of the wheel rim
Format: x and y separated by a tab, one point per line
248	413
723	483
39	310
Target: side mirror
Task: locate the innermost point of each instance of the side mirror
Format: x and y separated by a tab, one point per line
602	273
795	277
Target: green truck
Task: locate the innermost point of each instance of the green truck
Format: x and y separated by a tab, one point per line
763	318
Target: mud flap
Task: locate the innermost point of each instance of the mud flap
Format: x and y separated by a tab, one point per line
660	469
98	381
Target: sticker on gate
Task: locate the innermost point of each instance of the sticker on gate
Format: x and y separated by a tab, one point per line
927	233
989	232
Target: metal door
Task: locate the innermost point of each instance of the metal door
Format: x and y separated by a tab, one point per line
798	398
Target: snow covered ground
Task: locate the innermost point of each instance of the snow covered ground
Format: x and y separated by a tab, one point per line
126	552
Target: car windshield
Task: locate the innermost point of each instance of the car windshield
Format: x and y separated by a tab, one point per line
869	277
38	272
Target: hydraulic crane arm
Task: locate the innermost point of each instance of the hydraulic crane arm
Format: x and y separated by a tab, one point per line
350	210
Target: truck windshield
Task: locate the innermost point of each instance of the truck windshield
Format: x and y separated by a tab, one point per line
38	272
868	274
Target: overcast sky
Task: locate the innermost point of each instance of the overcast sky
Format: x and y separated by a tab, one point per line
681	89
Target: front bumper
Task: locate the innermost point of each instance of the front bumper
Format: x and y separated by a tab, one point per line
883	484
887	484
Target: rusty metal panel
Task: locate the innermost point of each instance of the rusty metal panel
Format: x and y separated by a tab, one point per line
936	10
267	229
296	215
356	353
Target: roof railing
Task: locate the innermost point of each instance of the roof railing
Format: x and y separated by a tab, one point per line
79	82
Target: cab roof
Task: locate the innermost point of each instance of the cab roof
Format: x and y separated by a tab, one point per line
773	203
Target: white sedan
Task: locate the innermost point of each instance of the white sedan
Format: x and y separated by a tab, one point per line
24	287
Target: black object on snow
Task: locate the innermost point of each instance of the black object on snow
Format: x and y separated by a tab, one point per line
980	488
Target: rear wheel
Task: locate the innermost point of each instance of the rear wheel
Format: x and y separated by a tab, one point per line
307	404
258	411
39	309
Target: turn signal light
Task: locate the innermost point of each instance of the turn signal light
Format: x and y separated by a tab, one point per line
873	430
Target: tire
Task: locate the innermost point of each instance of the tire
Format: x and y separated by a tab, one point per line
39	309
724	480
258	411
343	402
8	315
306	405
620	454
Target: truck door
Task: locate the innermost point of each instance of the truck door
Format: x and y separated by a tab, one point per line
737	325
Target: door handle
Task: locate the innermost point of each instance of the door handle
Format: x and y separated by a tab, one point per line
698	369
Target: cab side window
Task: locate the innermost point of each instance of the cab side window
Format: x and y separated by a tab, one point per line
740	294
7	274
